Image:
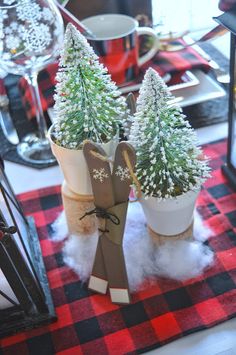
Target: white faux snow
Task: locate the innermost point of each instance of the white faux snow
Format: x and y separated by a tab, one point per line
177	260
182	259
60	228
79	252
201	232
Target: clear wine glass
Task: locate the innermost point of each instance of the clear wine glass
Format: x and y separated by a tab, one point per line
31	33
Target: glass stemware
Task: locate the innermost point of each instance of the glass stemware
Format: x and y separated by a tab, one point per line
31	33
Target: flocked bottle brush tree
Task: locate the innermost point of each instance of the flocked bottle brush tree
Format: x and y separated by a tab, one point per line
88	105
170	165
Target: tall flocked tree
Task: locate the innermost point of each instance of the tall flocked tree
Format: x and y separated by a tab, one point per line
88	104
168	160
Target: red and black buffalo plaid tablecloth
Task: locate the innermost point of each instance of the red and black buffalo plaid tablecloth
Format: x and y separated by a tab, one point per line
90	324
174	63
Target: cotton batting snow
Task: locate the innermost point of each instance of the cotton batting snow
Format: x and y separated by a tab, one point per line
79	254
201	232
177	260
60	229
182	259
138	248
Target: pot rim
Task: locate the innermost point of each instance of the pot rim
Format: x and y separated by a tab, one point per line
75	150
172	198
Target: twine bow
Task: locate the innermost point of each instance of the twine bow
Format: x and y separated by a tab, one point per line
102	213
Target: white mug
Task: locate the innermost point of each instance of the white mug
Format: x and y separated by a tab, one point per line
115	40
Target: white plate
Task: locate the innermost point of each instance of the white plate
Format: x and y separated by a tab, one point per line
188	79
207	89
126	88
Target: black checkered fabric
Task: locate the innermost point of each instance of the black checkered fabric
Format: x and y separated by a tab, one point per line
89	323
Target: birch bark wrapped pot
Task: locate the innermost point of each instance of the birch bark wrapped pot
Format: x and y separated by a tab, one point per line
171	216
73	164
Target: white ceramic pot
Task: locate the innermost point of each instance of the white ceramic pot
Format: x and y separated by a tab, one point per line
171	216
74	166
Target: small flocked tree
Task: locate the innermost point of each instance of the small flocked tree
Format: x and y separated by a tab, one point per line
168	159
88	104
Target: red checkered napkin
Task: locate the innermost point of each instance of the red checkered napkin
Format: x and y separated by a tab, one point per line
89	323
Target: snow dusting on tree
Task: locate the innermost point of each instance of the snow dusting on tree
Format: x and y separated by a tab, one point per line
168	159
87	102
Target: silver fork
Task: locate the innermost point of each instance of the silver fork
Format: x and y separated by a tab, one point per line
168	46
221	75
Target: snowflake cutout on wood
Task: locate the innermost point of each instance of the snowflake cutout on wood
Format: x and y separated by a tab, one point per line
100	174
123	173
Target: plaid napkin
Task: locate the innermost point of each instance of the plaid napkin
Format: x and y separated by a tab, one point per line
162	312
174	63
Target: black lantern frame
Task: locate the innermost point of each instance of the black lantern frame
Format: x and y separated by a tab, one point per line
22	267
228	20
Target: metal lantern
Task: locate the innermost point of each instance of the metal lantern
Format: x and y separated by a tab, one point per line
228	20
25	299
